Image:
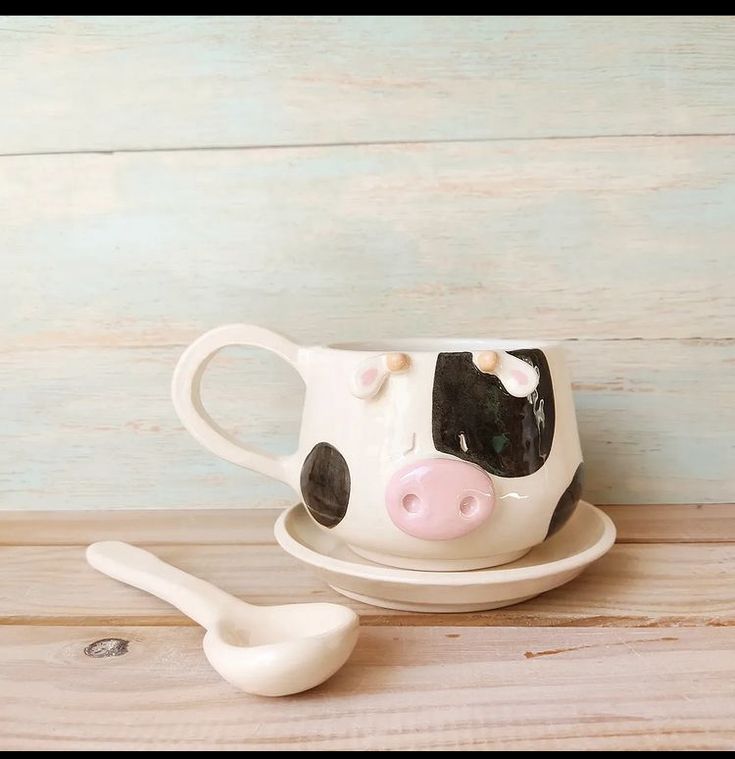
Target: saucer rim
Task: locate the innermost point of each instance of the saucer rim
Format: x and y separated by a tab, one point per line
489	575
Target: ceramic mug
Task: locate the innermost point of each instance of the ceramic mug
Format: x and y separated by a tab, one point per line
425	454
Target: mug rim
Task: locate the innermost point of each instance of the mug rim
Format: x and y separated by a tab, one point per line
439	345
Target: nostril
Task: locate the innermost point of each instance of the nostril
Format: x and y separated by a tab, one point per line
411	503
469	506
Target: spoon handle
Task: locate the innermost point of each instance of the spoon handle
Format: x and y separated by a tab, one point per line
202	602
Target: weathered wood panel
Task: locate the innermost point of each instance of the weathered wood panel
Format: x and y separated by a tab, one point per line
634	585
570	670
142	83
95	428
403	688
572	239
663	523
605	239
673	523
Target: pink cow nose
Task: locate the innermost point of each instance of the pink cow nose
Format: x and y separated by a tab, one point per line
439	499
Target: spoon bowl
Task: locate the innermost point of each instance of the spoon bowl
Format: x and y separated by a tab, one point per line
265	650
297	647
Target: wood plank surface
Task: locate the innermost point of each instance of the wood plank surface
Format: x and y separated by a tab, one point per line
605	239
346	178
140	526
636	585
111	83
673	523
94	428
404	688
606	235
376	240
635	523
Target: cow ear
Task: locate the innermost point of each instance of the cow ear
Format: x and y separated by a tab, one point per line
516	376
371	373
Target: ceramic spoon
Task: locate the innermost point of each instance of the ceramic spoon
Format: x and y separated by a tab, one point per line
267	650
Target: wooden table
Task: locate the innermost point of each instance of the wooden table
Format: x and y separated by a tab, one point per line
639	652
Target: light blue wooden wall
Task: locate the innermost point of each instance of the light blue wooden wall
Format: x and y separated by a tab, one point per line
352	177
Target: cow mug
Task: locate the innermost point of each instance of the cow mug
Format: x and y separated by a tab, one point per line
429	454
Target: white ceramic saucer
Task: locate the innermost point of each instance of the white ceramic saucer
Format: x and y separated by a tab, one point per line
588	535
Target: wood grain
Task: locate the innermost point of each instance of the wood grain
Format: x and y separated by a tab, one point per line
634	585
94	428
158	83
635	523
606	238
576	174
139	526
185	258
404	688
674	523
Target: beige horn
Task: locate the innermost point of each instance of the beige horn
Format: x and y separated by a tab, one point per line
487	361
397	362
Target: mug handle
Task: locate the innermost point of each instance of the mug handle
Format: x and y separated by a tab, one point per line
187	400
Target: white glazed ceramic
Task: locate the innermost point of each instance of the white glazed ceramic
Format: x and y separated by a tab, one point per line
374	404
588	535
265	650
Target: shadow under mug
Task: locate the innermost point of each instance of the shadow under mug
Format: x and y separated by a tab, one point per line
433	454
